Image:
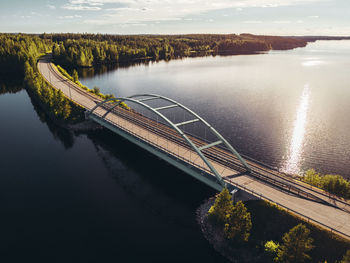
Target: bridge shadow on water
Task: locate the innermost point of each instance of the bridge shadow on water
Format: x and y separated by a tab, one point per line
103	200
158	189
149	179
145	177
121	156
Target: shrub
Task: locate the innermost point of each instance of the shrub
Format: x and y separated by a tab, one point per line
334	184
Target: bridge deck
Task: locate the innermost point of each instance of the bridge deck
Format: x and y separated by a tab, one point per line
336	218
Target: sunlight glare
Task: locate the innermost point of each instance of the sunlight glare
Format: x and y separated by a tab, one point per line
292	164
311	63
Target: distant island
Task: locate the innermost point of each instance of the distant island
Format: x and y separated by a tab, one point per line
315	38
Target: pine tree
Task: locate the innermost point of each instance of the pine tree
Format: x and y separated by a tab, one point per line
238	223
222	206
296	244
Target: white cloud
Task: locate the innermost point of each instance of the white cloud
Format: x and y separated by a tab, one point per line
252	22
282	22
118	9
138	24
313	16
81	5
69	17
138	11
52	7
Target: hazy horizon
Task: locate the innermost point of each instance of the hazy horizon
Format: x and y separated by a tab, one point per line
174	34
263	17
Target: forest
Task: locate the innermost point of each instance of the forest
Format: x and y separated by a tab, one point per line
87	50
18	57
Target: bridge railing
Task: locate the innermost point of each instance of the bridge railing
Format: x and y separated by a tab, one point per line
304	217
207	172
158	128
129	116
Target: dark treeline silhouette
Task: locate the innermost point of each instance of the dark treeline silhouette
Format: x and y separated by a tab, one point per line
86	50
315	38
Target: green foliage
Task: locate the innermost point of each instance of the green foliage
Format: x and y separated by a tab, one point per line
16	49
271	247
96	90
270	223
334	184
296	244
238	223
109	96
51	99
86	50
64	72
346	258
235	219
75	79
313	178
75	76
19	53
222	207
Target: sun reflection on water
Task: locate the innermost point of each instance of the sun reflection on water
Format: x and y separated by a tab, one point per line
292	164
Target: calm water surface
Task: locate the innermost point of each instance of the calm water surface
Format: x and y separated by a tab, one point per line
89	197
289	109
97	198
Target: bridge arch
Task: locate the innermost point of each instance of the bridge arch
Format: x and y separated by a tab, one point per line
140	100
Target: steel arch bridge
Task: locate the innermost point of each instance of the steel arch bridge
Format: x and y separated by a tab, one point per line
111	105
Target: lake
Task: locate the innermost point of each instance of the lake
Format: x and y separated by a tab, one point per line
288	109
89	197
94	197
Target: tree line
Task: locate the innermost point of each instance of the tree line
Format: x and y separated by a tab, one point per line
86	50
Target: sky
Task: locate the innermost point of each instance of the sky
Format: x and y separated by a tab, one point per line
273	17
